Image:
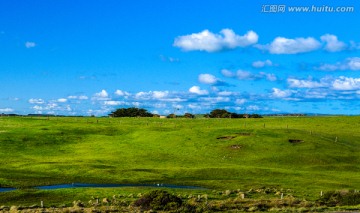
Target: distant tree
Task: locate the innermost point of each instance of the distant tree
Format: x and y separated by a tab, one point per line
172	115
255	116
189	115
207	115
131	112
220	113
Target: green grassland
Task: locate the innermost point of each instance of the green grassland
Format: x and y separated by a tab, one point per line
217	154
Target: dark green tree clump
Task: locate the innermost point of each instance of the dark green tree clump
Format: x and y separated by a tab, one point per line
131	112
158	200
222	113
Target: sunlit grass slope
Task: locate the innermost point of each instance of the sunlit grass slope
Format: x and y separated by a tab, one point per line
212	153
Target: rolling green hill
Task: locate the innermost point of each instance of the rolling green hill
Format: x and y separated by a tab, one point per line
305	154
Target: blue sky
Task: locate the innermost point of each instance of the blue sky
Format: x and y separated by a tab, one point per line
91	57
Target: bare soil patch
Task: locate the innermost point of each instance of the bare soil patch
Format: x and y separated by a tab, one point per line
294	141
236	146
226	137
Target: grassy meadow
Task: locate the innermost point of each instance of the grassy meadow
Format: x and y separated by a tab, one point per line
217	154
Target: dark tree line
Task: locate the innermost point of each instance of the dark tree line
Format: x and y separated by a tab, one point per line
131	112
222	113
216	113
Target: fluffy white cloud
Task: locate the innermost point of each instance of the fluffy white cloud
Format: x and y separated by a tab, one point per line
227	73
30	44
240	101
261	64
121	93
278	93
225	93
6	110
198	91
269	76
81	97
113	103
142	95
207	79
354	63
296	83
160	94
210	42
101	96
348	64
282	45
62	100
214	100
332	43
246	75
194	106
346	83
36	101
253	108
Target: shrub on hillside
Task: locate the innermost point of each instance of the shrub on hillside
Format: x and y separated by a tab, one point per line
158	200
340	198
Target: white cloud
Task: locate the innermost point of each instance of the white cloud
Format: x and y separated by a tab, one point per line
261	64
169	59
354	63
143	95
208	79
296	83
81	97
121	93
30	44
332	43
278	93
215	99
240	101
225	93
282	45
346	83
36	101
244	75
159	105
62	100
6	110
253	108
101	96
227	73
269	76
194	106
160	94
113	103
348	64
210	42
198	91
